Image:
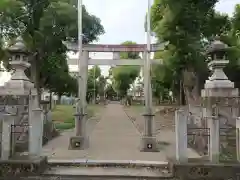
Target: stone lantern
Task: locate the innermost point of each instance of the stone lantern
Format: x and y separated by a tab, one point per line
19	83
217	53
219	96
20	95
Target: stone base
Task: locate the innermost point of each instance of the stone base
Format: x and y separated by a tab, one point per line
78	143
24	165
198	169
148	144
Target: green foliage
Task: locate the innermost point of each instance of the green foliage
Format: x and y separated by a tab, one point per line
110	92
96	83
101	84
129	55
189	26
45	25
94	72
124	76
232	39
93	83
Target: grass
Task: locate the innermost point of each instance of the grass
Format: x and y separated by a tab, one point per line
63	117
139	108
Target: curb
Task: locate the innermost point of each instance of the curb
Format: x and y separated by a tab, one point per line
99	177
108	163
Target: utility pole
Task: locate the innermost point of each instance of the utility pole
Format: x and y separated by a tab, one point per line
80	141
79	44
79	104
148	142
94	85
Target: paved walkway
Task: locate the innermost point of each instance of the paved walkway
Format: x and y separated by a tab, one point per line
113	138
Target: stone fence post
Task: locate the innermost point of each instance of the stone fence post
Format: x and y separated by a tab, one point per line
181	136
238	137
6	146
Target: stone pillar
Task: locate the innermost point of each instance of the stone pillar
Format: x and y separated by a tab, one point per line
148	141
6	146
212	116
238	137
235	114
83	97
116	55
181	136
39	117
35	127
80	141
214	144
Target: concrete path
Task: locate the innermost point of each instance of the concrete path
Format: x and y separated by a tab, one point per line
113	138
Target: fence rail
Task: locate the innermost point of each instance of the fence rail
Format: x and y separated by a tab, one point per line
199	138
19	144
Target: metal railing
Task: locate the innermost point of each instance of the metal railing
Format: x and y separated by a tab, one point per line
18	145
228	143
199	139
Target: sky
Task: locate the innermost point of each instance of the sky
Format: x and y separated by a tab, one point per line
124	20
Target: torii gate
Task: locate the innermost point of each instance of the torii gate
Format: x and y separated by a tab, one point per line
81	141
115	49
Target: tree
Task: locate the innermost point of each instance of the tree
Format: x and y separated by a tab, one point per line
232	39
110	93
94	72
188	26
124	76
92	84
48	24
60	81
101	84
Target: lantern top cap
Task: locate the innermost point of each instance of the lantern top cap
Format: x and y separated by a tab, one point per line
19	46
217	46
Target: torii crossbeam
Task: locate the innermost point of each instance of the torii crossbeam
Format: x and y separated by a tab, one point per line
115	49
115	62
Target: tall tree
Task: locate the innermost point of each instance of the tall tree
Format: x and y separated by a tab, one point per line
45	25
110	93
124	76
102	84
188	26
93	82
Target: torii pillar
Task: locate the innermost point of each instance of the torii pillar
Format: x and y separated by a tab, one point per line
148	141
81	141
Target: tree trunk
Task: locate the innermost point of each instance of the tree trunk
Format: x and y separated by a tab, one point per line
35	76
191	87
50	100
59	99
181	93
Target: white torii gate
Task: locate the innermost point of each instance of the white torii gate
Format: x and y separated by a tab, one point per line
115	49
116	62
80	141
